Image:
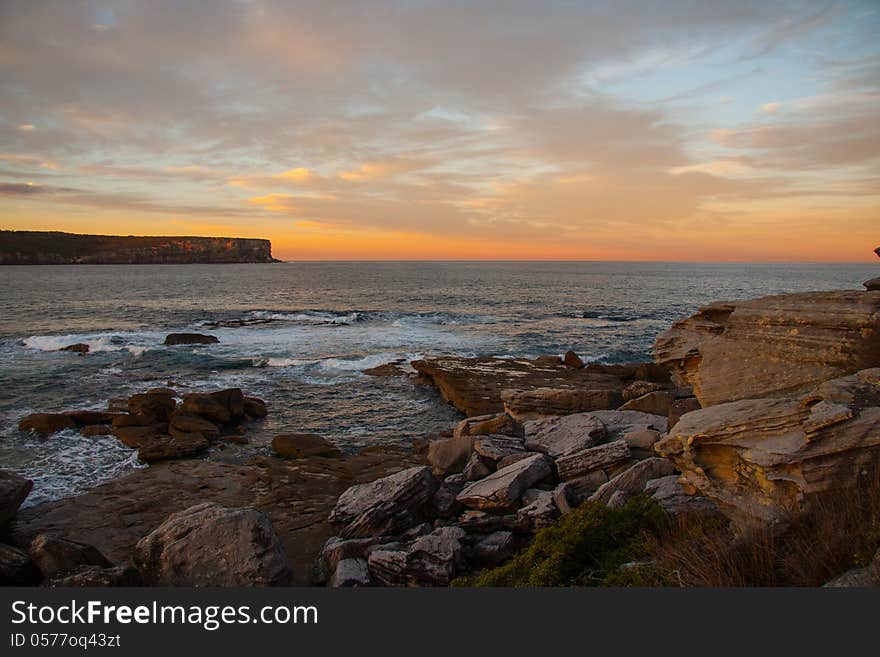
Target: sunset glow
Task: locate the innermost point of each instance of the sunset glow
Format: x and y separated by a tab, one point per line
421	130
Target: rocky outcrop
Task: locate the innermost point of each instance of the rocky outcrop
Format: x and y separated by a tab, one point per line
773	346
546	402
22	247
761	459
212	545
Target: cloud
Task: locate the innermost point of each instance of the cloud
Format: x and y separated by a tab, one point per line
770	108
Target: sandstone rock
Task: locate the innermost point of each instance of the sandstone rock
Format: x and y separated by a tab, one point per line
94	430
572	493
54	555
658	402
474	385
633	480
16	567
495	548
85	418
46	423
619	423
502	489
540	512
385	506
351	572
544	402
572	360
511	459
211	545
639	388
304	445
135	436
676	501
181	423
91	576
450	454
486	425
171	447
562	435
388	369
773	346
680	407
592	458
129	420
255	408
431	560
497	447
872	284
13	491
477	467
232	399
761	459
78	348
641	439
158	406
207	407
480	522
190	338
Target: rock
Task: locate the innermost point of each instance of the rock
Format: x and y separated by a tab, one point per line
619	499
206	406
572	360
495	548
304	445
619	423
760	460
497	447
78	348
16	567
212	545
171	447
855	578
540	512
658	402
136	436
572	493
351	572
774	346
475	385
640	388
592	458
544	402
129	420
337	549
477	467
232	399
54	555
502	489
676	501
86	418
641	439
633	480
443	503
385	506
872	284
680	407
562	435
90	576
158	406
450	454
255	408
13	491
431	560
190	338
486	425
181	423
46	424
479	522
388	369
512	458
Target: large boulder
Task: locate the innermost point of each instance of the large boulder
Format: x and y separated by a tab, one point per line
13	491
503	488
211	545
562	435
384	506
761	459
774	346
54	555
158	405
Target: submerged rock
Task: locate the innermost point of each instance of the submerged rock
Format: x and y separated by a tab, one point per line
78	348
190	338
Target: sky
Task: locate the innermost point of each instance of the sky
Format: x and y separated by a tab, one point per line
537	130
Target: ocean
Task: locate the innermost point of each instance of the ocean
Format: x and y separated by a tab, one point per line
299	334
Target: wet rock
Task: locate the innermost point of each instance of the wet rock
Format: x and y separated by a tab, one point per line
503	488
129	420
591	459
137	436
385	506
304	445
232	399
572	360
54	555
16	567
562	435
86	418
658	402
78	348
772	347
495	548
351	572
495	448
477	468
13	491
95	576
431	560
206	406
165	448
190	338
212	545
677	503
388	369
640	388
543	402
46	424
158	406
254	408
186	424
634	479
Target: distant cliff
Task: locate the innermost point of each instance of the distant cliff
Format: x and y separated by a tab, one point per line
18	247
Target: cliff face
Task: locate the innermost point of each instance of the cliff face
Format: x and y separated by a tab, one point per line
54	248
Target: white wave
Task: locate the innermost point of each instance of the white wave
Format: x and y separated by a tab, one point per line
289	362
135	343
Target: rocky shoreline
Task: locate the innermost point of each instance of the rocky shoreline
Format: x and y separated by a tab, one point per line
750	410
